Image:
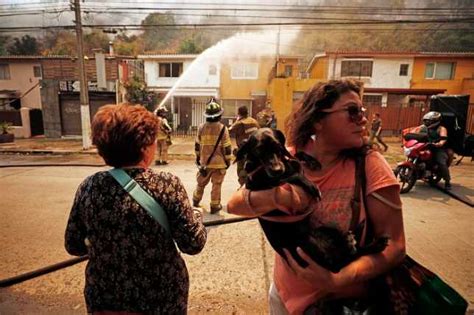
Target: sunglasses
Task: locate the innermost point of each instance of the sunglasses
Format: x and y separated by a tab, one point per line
356	113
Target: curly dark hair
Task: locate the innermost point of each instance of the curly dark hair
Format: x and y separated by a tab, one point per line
120	132
299	124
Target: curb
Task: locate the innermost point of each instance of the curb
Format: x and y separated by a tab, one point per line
178	156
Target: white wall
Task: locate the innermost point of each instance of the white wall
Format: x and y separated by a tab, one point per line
385	72
195	76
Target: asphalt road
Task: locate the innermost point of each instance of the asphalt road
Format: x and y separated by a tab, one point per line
233	272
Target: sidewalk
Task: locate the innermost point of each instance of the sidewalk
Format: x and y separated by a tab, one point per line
183	147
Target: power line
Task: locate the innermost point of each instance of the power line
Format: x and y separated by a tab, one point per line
117	11
36	12
221	4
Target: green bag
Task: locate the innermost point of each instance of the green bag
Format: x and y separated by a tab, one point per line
410	288
413	289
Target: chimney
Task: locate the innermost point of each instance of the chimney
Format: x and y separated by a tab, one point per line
111	48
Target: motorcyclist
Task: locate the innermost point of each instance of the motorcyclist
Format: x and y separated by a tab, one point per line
438	136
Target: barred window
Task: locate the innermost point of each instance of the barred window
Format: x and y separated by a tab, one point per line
4	72
440	70
244	71
404	70
372	99
170	70
356	68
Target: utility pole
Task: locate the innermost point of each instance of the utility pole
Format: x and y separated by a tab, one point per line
277	57
84	93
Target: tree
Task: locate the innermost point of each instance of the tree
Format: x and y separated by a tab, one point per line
138	94
189	46
95	40
155	37
60	43
3	45
26	45
128	45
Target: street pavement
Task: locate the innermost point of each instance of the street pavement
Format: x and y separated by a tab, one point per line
233	272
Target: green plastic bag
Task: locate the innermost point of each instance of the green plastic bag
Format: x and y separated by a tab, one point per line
413	289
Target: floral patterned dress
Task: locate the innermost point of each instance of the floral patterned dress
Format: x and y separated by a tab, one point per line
134	264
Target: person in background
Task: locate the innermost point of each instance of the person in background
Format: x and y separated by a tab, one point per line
438	136
327	125
134	265
164	132
213	155
375	131
266	118
242	129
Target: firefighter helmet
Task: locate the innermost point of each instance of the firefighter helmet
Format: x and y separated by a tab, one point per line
213	109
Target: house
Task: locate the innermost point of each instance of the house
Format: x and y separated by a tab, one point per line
185	83
20	92
453	71
247	81
60	88
398	85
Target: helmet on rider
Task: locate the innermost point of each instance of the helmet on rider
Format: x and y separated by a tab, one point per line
432	119
213	109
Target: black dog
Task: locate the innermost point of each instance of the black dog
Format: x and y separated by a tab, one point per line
269	164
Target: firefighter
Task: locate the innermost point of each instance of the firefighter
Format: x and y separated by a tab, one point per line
242	129
164	131
213	155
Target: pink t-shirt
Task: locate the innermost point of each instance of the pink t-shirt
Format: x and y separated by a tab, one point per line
337	189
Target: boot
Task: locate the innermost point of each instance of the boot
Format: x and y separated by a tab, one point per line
216	209
196	203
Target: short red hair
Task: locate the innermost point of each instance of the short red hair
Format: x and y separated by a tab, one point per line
120	132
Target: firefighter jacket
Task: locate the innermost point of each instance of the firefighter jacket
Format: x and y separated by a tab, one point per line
163	129
243	128
207	136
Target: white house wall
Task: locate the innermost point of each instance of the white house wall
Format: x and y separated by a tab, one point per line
195	76
385	72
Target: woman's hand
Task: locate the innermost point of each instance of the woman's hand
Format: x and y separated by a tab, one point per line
313	273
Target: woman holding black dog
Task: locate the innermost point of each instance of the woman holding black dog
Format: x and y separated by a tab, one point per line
134	265
327	125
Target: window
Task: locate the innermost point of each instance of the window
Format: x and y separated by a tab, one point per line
404	70
372	99
212	70
288	71
230	107
356	68
170	70
37	71
4	72
440	70
244	71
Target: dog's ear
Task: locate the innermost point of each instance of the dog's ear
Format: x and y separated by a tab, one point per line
245	148
280	136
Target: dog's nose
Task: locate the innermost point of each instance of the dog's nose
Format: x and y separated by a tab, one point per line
276	167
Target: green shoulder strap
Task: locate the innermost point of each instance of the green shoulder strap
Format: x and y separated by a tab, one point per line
141	196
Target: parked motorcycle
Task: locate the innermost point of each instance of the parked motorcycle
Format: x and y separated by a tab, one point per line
419	164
